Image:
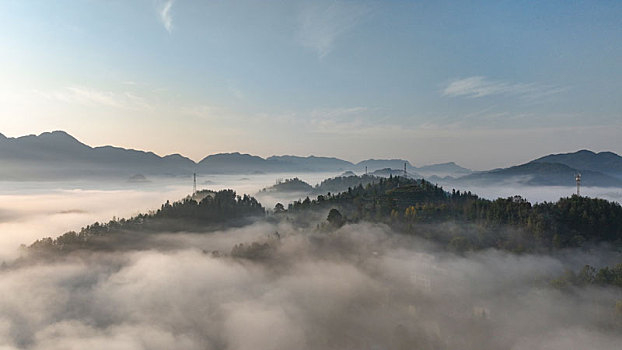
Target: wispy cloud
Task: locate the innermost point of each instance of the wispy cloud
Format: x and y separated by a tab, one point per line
479	86
208	112
338	120
93	97
337	113
323	22
344	119
164	11
235	90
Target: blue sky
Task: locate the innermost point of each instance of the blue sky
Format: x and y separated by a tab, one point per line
482	83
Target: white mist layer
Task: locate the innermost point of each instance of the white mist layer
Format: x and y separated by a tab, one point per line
27	217
33	210
361	287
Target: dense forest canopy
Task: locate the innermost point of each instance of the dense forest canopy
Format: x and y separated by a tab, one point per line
204	211
418	207
414	207
394	222
289	185
334	184
590	275
342	183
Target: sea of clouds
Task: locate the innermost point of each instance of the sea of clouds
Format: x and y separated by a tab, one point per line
360	287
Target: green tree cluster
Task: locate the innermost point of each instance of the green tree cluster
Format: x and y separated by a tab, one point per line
214	210
419	207
588	275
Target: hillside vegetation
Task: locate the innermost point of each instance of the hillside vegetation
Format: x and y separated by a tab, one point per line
421	208
460	221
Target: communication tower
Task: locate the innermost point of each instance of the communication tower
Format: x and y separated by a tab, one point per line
405	173
194	185
578	178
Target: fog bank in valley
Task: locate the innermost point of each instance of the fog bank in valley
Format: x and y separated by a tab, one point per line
51	212
29	211
359	287
33	210
271	285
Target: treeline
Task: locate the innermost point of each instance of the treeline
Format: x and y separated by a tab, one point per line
334	184
419	207
460	220
589	275
218	206
205	210
289	185
342	183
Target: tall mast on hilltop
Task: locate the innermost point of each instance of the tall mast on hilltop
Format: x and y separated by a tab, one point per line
578	178
194	185
405	173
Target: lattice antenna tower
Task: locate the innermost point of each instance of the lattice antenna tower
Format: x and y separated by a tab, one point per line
405	173
578	179
194	184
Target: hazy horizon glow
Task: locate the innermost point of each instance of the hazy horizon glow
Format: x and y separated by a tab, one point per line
484	84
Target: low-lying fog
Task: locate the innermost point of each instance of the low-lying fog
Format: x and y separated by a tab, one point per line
361	287
32	210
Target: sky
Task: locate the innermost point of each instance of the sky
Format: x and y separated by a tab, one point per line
483	83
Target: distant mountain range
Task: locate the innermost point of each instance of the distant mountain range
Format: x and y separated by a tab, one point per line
604	162
540	174
443	169
602	169
58	155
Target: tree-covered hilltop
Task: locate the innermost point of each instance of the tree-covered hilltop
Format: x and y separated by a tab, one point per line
204	211
289	185
214	207
341	183
459	220
334	184
376	199
419	207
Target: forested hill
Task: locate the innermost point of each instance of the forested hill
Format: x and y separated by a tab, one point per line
205	211
421	208
461	221
333	184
